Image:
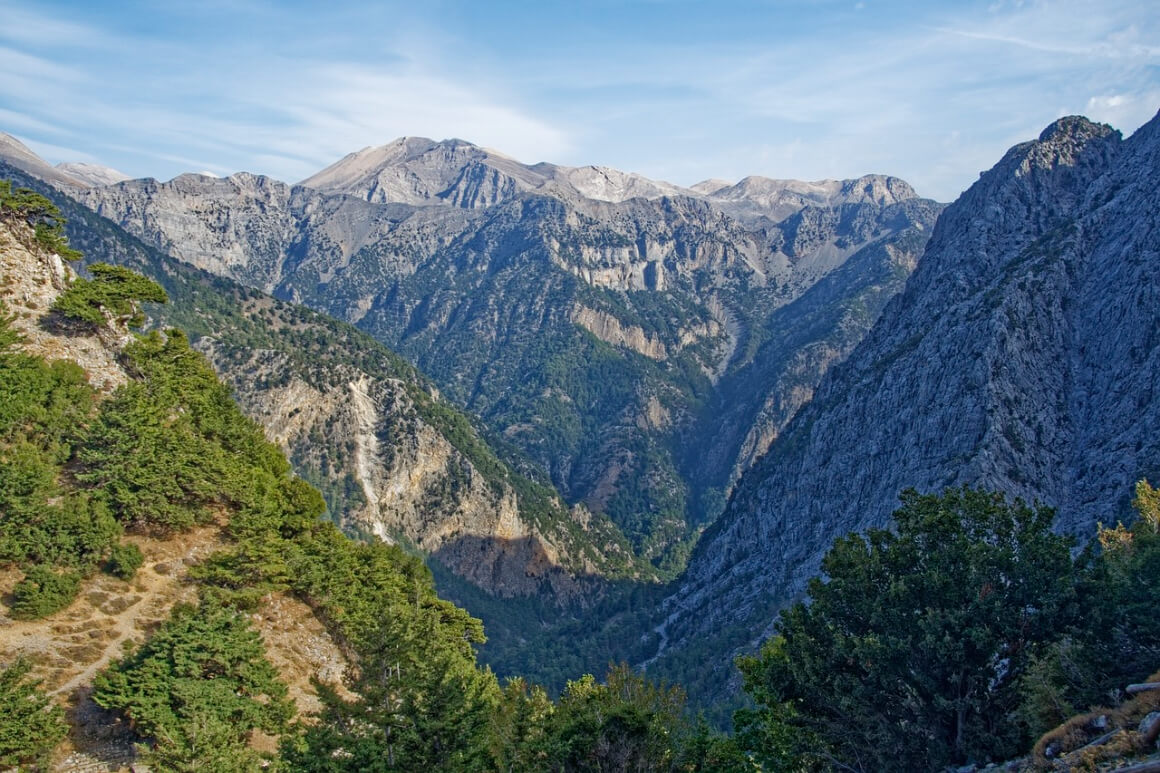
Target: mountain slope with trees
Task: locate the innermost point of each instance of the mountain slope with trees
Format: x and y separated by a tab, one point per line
167	454
392	459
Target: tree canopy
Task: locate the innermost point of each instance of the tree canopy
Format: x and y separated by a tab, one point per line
909	651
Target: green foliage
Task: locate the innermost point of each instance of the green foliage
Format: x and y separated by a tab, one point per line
422	705
43	408
422	701
31	724
124	560
1116	638
910	654
707	750
171	445
519	726
43	592
206	743
114	290
627	723
40	214
197	687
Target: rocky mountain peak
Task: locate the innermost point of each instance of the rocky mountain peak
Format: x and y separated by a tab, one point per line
93	174
877	189
709	187
20	156
773	199
420	171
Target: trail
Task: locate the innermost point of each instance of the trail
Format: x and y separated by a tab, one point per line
69	648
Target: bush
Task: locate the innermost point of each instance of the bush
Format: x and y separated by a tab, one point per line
43	592
30	723
124	561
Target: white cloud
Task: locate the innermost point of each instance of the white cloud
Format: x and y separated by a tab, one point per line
1123	110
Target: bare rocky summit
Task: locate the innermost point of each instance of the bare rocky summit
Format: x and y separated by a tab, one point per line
92	174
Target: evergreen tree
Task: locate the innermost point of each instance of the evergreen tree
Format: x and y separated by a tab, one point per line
197	688
1116	638
627	723
909	653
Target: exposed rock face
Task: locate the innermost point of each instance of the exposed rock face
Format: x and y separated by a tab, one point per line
1023	356
491	275
404	481
610	330
92	174
31	279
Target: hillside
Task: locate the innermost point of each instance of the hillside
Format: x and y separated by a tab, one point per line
391	458
176	601
1021	357
119	608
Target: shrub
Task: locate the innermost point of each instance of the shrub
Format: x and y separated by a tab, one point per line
124	561
43	591
30	723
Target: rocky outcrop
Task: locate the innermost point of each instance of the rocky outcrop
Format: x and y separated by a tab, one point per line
30	281
610	330
1022	357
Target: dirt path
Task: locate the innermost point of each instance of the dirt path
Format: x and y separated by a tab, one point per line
70	648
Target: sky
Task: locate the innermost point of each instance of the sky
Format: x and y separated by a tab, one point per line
930	91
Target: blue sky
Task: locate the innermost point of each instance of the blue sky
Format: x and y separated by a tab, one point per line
933	92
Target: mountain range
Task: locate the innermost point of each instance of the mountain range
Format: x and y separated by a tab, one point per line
638	343
751	368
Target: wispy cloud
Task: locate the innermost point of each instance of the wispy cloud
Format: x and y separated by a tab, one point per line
292	114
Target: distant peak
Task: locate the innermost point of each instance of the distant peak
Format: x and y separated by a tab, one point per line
709	187
1074	127
8	139
93	174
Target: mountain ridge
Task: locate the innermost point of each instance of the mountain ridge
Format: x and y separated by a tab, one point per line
1019	357
474	255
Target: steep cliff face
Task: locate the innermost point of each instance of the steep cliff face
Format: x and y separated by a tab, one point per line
388	473
596	321
1022	356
